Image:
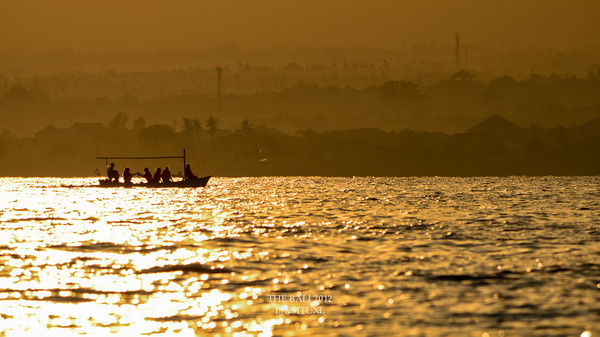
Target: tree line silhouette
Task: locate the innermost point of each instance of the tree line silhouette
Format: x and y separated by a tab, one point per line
494	146
450	105
397	127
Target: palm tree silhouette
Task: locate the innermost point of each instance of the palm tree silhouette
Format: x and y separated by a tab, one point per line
246	127
212	124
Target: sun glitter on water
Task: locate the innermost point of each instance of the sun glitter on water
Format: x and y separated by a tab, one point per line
364	256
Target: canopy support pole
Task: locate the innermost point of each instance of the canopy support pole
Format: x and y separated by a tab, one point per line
184	163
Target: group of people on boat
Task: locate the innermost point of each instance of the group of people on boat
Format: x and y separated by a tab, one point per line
159	176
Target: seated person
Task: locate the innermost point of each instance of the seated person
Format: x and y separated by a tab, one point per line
113	175
166	176
147	175
127	175
188	173
157	175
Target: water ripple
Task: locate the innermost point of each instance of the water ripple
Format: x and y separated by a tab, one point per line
302	256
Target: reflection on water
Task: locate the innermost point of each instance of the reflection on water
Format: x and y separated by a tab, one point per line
293	256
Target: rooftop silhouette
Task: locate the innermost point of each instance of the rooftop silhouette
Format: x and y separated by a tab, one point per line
18	95
498	126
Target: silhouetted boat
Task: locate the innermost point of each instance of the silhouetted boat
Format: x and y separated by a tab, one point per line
199	182
195	182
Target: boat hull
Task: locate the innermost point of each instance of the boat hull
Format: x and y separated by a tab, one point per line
200	182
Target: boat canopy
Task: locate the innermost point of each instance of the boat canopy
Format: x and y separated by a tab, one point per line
106	158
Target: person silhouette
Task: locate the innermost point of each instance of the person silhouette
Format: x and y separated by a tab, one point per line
157	176
112	173
147	175
166	176
188	174
127	175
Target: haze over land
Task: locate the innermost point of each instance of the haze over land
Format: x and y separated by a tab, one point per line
141	76
151	25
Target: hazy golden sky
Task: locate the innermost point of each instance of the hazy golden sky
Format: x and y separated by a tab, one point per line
147	25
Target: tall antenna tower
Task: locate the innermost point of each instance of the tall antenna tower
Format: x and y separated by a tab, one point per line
219	86
457	38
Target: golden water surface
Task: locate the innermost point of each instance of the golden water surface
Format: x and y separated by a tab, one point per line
302	256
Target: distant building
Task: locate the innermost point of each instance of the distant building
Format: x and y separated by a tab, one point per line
52	133
497	126
128	98
591	128
78	131
18	95
462	75
88	129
